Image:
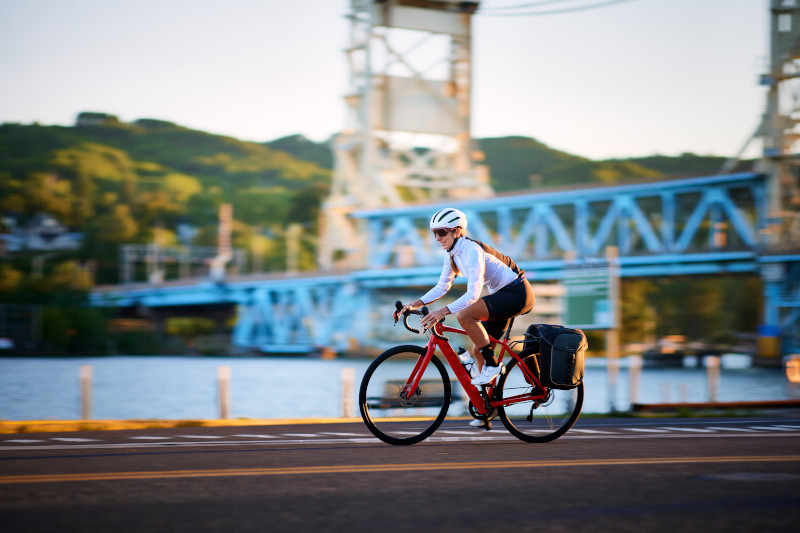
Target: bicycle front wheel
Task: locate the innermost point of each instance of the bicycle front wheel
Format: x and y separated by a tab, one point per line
391	411
540	420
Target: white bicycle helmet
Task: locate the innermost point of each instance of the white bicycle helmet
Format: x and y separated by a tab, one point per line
448	218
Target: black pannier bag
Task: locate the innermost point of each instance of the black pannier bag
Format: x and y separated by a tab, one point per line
562	353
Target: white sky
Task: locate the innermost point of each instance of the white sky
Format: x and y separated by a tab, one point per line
632	79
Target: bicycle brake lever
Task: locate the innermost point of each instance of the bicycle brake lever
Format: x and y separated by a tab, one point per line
432	327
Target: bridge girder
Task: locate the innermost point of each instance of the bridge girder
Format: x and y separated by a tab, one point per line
714	215
696	226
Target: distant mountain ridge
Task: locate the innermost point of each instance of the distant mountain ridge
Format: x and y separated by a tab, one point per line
520	163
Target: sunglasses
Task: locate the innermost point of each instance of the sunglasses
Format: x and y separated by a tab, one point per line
441	232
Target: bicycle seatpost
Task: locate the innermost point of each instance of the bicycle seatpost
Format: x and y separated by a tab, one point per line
508	331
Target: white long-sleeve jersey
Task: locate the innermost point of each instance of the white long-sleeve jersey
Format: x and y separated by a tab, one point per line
482	265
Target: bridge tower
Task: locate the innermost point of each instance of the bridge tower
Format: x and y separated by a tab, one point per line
407	137
779	131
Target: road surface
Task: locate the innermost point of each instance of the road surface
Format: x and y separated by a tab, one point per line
724	474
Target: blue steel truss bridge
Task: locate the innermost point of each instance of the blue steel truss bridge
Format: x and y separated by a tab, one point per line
712	225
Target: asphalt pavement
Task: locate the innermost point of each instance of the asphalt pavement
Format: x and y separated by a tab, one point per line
621	474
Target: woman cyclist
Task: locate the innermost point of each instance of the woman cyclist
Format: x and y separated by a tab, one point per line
510	294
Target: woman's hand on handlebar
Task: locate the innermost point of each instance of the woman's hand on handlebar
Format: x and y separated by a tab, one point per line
400	312
433	317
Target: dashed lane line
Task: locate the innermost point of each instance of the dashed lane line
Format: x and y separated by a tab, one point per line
689	430
646	430
335	434
442	434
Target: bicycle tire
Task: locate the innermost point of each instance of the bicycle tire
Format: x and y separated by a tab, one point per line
393	417
536	420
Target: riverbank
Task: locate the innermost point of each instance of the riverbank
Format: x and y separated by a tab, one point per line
681	410
44	426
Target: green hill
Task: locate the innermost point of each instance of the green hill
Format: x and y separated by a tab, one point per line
137	182
521	163
123	183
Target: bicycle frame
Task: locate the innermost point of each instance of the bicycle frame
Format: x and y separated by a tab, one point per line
482	401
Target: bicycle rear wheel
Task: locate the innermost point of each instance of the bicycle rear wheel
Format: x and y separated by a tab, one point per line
536	420
391	412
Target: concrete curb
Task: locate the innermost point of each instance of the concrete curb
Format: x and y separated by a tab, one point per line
44	426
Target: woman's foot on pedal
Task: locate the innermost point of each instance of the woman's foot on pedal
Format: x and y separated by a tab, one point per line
478	423
487	374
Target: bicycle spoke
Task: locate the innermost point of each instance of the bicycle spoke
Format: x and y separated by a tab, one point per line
539	420
392	409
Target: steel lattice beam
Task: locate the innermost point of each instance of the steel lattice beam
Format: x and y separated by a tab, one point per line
714	215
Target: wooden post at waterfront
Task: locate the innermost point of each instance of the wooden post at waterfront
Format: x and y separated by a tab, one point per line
86	374
348	382
224	378
712	368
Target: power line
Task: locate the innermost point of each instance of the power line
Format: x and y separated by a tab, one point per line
522	6
552	11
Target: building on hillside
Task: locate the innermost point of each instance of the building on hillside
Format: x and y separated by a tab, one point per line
95	119
42	233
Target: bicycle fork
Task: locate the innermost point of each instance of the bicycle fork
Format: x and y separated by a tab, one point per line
411	389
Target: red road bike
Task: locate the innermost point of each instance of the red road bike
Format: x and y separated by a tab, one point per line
406	392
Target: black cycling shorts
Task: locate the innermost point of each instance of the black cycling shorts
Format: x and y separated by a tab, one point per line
505	304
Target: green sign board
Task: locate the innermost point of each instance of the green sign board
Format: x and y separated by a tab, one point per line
589	302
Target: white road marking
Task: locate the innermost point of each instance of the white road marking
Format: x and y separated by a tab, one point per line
442	435
689	430
745	430
477	436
